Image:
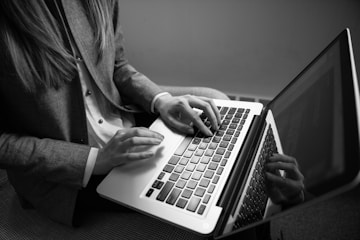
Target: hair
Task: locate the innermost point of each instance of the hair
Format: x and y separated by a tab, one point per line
36	47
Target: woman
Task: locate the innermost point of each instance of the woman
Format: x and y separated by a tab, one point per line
65	86
70	101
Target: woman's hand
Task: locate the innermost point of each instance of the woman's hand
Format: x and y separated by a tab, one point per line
124	147
289	188
178	113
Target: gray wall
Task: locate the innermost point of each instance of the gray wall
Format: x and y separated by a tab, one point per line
250	47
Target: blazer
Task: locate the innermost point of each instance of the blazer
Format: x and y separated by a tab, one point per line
43	134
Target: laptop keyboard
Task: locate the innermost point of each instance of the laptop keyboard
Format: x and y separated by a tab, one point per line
254	203
191	175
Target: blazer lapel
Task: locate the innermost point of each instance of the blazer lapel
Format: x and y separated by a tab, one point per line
82	32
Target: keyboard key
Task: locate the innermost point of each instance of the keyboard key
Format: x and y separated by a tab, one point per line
168	168
220	151
192	147
201	209
199	192
188	154
236	119
174	160
209	153
165	191
173	196
223	162
225	122
187	193
204	182
193	204
184	161
201	167
216	139
195	159
216	179
224	144
227	138
196	176
211	188
232	110
209	174
238	115
181	203
224	110
233	126
231	147
203	145
220	170
179	169
181	184
213	145
196	141
207	140
182	147
158	184
229	116
149	192
161	175
199	152
206	198
205	159
186	175
216	158
190	167
230	132
191	184
174	177
213	166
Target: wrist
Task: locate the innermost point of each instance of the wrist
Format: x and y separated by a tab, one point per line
159	101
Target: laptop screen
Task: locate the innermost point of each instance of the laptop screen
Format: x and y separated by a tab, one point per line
317	121
317	118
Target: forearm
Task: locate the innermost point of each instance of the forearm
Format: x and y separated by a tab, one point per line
135	87
51	160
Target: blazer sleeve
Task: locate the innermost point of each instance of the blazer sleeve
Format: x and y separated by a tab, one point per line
134	87
47	159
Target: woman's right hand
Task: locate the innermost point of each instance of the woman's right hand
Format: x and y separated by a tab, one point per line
124	147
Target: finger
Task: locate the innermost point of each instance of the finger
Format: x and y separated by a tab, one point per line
282	158
207	107
178	125
292	187
123	134
139	141
192	116
136	156
214	108
290	169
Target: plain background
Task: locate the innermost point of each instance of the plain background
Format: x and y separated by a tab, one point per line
246	47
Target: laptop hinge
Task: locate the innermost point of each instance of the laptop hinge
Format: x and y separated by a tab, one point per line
236	182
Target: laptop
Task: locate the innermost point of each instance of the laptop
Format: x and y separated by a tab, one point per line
216	185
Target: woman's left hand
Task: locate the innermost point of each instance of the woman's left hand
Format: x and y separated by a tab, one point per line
177	112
